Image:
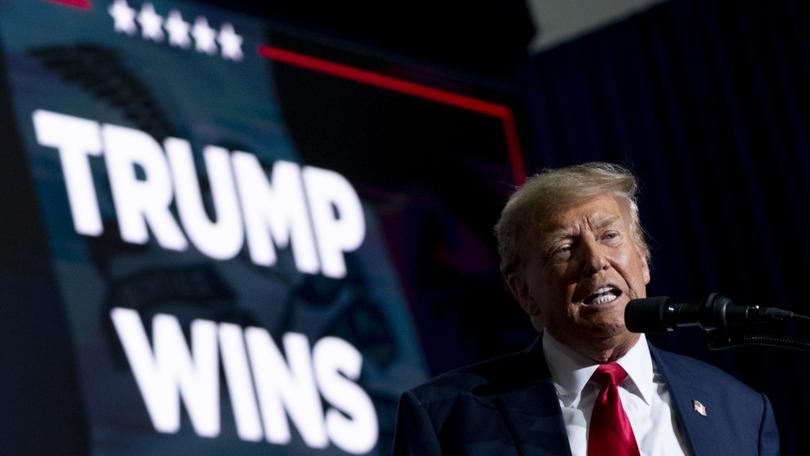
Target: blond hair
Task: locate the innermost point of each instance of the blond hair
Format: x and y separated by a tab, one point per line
553	190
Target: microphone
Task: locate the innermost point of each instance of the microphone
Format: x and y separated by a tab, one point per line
661	314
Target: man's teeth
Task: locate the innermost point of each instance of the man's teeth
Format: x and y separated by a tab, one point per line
604	298
604	295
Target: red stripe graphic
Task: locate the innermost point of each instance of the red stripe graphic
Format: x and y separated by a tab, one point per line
413	89
80	4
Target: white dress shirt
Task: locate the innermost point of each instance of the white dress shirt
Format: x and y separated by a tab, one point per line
644	396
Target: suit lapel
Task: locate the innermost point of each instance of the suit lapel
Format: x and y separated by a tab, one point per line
683	391
532	410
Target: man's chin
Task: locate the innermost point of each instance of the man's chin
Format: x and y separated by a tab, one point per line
602	328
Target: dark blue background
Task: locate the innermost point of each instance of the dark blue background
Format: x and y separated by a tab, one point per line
707	101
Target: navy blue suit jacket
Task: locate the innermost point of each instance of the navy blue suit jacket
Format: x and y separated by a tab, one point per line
509	406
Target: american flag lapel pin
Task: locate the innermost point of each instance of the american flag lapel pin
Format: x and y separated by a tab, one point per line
699	407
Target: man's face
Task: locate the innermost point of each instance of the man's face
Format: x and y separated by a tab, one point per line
580	272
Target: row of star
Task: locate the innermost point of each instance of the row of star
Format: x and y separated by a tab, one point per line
152	25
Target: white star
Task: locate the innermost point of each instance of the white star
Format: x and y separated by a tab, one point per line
230	42
204	36
124	17
178	30
151	23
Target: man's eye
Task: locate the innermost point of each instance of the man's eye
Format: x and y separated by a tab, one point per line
562	250
610	235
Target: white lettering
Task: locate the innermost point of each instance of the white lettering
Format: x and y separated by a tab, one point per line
282	387
140	202
280	208
358	433
329	192
240	386
315	212
223	239
75	138
170	369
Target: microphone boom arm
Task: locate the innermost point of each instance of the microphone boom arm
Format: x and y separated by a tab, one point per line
725	324
719	341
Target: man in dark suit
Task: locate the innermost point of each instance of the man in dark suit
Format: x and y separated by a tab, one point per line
573	255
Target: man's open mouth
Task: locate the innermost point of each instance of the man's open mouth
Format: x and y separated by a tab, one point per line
603	295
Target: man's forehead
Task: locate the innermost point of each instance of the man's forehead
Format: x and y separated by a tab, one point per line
597	212
597	221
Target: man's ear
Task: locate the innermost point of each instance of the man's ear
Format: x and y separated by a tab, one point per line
520	290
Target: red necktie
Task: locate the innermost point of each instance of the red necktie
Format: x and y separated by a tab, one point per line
610	433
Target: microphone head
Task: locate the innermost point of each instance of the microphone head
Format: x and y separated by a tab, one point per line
646	315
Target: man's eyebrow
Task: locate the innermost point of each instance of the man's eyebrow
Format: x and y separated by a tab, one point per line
597	221
604	221
559	233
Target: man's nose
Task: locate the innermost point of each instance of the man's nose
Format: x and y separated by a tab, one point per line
594	257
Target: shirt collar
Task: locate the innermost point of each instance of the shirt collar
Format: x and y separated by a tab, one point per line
571	371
